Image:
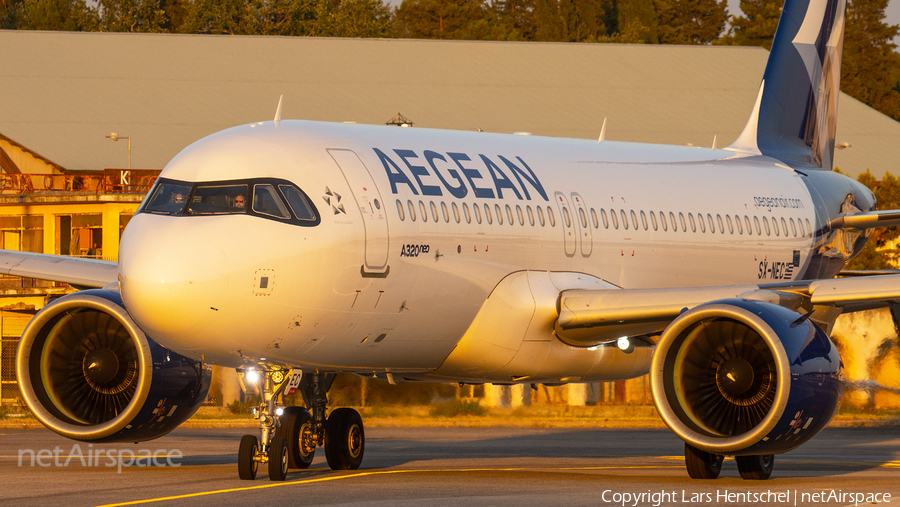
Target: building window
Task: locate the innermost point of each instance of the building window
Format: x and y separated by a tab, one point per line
80	235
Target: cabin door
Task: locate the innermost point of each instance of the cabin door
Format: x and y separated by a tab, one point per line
371	207
568	224
581	217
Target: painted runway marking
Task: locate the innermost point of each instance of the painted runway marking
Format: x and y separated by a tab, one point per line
364	474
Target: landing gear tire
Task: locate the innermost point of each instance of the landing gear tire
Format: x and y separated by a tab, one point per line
278	459
296	428
701	464
755	468
247	464
345	439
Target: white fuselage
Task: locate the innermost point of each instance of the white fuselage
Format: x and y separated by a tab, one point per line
401	263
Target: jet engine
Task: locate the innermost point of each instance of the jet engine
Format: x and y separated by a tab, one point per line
88	372
742	377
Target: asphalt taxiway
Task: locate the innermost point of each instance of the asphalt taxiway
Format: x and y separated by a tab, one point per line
445	466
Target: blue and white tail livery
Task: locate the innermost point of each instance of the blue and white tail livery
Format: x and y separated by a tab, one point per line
291	247
795	115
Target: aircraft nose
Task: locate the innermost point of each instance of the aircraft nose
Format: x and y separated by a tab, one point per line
170	279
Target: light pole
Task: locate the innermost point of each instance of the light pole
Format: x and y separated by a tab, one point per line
115	137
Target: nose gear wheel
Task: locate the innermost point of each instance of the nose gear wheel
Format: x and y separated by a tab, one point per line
290	440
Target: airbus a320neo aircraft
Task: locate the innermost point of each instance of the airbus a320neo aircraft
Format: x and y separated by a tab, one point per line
414	254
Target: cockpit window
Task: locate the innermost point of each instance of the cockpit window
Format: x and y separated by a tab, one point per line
269	198
219	199
168	198
302	209
267	202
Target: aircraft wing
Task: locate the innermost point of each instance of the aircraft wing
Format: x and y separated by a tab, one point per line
588	315
76	271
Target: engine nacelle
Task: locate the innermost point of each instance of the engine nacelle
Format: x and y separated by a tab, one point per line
743	377
88	372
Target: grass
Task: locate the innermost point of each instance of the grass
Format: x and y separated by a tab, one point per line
456	408
469	413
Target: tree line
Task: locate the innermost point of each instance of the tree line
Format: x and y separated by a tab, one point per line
870	71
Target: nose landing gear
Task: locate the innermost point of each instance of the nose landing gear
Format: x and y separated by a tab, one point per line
270	448
289	440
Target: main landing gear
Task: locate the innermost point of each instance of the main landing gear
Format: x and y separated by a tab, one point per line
704	465
288	438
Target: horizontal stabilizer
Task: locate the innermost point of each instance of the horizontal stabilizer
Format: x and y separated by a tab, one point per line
867	220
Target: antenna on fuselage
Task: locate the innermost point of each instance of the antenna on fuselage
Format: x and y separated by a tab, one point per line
715	138
278	111
602	132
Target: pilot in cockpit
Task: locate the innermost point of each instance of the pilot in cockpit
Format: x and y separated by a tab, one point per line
239	201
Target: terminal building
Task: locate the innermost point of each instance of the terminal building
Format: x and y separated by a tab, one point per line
89	120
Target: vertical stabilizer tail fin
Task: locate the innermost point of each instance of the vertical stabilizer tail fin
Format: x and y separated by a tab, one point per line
794	118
